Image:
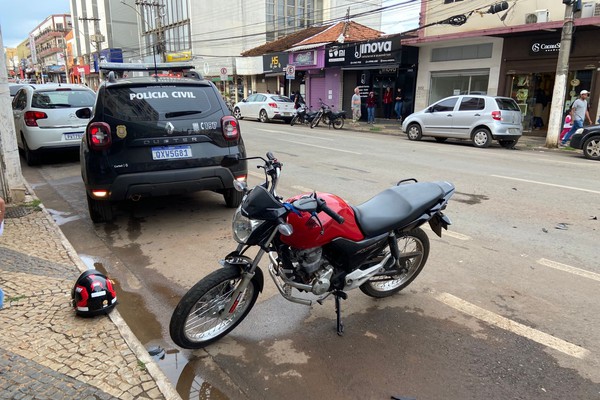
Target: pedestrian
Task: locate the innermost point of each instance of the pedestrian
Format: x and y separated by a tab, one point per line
398	104
2	212
567	125
371	102
387	103
579	113
356	106
298	100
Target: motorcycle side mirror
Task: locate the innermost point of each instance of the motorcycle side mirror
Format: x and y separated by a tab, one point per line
84	113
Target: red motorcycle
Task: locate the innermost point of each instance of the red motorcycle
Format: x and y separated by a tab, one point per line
316	244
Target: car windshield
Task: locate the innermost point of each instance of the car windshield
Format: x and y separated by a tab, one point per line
152	103
281	99
507	104
62	99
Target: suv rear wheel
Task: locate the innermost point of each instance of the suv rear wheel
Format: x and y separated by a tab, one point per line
100	210
232	197
482	138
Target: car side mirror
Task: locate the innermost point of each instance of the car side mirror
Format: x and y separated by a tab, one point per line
244	100
84	113
430	110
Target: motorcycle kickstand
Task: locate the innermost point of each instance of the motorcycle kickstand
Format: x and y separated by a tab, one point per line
339	326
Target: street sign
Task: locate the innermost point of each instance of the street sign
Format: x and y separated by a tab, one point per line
224	76
290	72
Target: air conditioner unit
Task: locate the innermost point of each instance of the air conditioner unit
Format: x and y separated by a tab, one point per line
588	9
537	17
597	10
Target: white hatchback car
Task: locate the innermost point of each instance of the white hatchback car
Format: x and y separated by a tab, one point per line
45	117
265	107
478	118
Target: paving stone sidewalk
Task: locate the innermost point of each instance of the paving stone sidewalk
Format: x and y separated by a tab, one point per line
46	352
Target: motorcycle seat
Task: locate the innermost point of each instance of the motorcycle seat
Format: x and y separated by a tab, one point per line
396	207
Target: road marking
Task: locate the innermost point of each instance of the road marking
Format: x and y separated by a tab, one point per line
567	268
322	147
452	234
297	134
512	326
547	184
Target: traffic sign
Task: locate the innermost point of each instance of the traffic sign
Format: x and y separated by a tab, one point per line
224	76
290	71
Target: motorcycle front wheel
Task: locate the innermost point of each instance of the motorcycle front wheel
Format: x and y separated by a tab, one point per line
201	317
294	120
414	250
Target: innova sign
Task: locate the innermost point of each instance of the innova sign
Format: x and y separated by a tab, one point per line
364	53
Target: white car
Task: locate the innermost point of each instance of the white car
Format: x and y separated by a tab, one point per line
45	117
265	107
477	118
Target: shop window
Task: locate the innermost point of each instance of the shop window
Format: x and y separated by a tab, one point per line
453	83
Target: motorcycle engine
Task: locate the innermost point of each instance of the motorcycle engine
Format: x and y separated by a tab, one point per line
314	269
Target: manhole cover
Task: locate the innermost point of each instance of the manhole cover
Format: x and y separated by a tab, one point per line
18	212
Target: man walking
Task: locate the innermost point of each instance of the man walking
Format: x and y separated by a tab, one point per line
356	106
579	113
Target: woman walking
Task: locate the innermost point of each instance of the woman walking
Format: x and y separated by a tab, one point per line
371	101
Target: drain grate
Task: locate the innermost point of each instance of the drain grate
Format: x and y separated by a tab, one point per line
18	212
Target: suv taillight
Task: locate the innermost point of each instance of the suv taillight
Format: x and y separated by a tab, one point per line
497	115
230	127
31	117
99	135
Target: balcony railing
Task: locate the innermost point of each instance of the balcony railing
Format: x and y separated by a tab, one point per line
49	51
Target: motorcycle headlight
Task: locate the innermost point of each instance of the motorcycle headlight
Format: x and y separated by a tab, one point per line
243	227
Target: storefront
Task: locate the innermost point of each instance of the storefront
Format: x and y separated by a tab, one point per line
375	66
529	68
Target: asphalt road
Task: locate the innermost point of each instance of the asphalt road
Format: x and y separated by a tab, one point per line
506	307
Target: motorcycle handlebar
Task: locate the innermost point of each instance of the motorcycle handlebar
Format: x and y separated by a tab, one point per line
335	216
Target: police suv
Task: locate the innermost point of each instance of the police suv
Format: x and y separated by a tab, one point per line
159	135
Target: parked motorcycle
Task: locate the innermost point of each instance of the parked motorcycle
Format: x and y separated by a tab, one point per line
329	117
318	245
303	116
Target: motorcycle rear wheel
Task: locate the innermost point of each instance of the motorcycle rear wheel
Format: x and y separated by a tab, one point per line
414	250
338	123
200	317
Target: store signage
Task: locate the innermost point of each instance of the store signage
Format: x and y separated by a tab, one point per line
364	53
305	58
544	47
274	62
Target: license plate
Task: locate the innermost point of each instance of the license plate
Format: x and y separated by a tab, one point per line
73	136
286	113
171	152
513	131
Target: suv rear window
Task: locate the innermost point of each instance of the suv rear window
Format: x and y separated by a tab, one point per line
63	98
153	103
507	105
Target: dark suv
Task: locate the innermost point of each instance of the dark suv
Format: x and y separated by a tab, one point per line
156	136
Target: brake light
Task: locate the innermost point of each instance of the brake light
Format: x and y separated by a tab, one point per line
230	127
497	115
273	105
31	117
99	135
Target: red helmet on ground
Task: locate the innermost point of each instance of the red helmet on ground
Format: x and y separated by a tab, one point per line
93	294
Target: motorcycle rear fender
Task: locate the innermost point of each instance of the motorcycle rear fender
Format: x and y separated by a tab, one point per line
244	263
439	221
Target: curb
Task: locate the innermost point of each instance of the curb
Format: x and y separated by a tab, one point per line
162	382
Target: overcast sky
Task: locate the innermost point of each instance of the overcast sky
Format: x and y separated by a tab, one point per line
19	17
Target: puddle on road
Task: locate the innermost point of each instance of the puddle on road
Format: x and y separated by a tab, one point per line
61	217
469	198
183	373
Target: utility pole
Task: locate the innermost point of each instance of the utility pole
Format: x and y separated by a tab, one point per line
11	177
555	123
158	30
97	38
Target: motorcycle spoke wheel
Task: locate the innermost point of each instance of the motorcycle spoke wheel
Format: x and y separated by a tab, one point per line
414	251
201	316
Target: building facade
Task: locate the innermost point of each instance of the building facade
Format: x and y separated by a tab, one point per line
47	46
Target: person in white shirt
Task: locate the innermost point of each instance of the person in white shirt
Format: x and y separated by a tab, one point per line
579	113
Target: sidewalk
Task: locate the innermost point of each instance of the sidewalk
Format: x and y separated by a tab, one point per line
46	352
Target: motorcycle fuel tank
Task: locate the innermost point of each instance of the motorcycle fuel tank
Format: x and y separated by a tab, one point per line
307	231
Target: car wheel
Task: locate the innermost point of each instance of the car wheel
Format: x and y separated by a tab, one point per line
508	144
237	113
591	148
31	157
440	139
232	197
263	117
482	138
414	132
100	210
